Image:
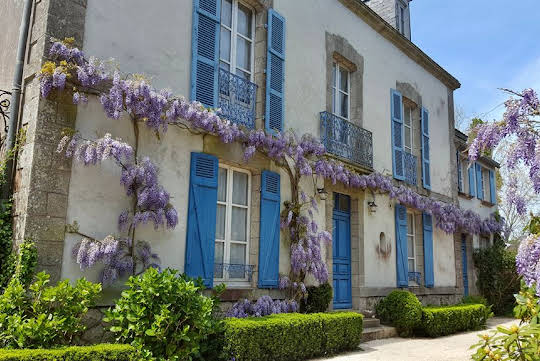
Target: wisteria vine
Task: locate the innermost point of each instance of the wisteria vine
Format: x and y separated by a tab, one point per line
298	155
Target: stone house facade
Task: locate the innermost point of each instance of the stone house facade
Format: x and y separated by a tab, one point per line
358	83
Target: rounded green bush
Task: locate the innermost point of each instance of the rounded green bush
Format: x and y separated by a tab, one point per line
402	309
318	299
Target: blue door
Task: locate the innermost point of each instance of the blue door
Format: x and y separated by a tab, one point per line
464	263
342	251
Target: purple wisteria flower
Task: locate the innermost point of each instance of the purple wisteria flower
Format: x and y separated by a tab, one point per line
264	306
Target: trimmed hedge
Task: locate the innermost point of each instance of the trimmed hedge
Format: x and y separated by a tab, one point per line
103	352
292	336
446	320
318	299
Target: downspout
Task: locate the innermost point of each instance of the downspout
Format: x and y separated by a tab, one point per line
16	96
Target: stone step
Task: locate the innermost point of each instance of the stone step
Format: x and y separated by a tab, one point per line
379	332
371	322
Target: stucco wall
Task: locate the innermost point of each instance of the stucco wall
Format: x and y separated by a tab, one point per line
10	13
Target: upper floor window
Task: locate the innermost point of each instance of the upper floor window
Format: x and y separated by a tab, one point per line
340	91
232	223
408	128
237	38
401	14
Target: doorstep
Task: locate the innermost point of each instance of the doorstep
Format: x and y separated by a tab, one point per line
377	332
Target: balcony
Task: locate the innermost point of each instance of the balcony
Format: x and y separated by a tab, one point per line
229	271
415	277
237	98
410	162
347	140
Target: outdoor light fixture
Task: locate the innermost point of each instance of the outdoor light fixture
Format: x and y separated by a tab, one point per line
372	206
323	194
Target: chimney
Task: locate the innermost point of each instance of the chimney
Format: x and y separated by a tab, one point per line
395	12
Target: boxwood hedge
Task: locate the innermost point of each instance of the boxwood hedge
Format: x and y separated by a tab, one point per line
103	352
446	320
292	336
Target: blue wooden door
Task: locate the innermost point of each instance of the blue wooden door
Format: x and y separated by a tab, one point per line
464	263
342	251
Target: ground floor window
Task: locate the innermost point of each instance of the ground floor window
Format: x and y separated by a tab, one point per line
411	242
232	224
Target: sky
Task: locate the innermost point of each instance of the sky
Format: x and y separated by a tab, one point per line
485	44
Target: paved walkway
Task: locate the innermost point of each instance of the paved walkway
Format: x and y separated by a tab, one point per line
449	348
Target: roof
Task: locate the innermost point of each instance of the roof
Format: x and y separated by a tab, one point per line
461	139
412	51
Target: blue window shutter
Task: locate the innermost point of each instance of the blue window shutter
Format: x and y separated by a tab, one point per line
479	187
396	110
402	266
492	187
275	73
205	51
426	176
201	218
459	172
269	230
429	278
472	181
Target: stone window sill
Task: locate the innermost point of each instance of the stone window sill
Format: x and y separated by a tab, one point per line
465	195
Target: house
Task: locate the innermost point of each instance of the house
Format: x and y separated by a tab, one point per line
344	71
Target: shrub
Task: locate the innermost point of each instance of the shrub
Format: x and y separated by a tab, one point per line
497	280
475	300
44	316
318	299
6	244
20	265
446	320
402	309
292	336
165	316
102	352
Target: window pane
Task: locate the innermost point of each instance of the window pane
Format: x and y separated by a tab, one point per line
407	114
407	137
243	75
238	224
410	223
334	110
218	259
225	45
410	246
226	11
334	69
344	80
222	185
223	65
244	21
240	188
411	265
344	105
238	257
220	221
243	53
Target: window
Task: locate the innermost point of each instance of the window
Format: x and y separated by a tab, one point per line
486	184
236	40
340	91
400	17
232	223
411	242
407	124
484	242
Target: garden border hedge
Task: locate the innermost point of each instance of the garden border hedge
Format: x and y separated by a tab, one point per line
446	320
292	336
103	352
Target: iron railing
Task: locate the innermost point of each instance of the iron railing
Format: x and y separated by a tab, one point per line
232	271
237	98
347	140
410	164
416	277
5	98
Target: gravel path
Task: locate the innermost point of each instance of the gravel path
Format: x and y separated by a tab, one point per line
449	348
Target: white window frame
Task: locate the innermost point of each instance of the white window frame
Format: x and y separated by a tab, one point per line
234	36
228	220
401	13
408	128
413	228
464	175
336	91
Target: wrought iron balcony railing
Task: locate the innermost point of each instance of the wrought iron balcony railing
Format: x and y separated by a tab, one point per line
237	98
230	271
4	107
416	277
347	140
410	163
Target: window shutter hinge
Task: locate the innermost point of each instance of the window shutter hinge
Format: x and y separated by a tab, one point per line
265	26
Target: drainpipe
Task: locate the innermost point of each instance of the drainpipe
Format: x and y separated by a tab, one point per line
16	96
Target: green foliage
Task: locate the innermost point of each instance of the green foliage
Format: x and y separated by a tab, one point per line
474	299
44	316
26	262
103	352
6	244
447	320
292	336
402	309
318	299
498	280
165	316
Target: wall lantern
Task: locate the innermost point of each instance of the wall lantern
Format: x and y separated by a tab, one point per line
372	206
323	194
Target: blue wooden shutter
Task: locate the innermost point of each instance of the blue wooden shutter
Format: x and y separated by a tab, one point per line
205	51
426	177
492	187
201	217
396	110
472	182
275	73
479	186
269	230
402	265
459	172
429	278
